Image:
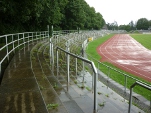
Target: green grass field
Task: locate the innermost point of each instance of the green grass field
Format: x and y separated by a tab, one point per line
144	39
91	50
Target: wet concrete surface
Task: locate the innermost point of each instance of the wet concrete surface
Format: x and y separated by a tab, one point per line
29	86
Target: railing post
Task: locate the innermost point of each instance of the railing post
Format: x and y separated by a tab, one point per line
52	30
68	63
50	42
32	37
36	37
93	81
18	41
7	48
28	39
130	100
108	73
76	66
52	53
68	76
57	63
125	83
24	39
150	103
13	43
82	52
0	72
95	92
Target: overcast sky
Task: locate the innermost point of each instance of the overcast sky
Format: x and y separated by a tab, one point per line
122	11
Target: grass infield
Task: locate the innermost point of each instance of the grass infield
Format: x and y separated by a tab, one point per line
91	50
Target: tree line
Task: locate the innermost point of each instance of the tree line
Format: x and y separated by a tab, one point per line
141	24
35	15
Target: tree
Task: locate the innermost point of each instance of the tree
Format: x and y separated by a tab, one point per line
142	23
132	25
33	15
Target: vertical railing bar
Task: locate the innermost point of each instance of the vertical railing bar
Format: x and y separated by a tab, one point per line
130	100
125	83
57	63
24	39
32	37
18	41
0	71
13	43
28	39
76	66
68	78
7	48
36	36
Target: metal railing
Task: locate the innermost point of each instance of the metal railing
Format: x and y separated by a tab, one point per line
131	91
12	42
68	76
108	69
128	80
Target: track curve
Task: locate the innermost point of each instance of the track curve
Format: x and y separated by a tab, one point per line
126	53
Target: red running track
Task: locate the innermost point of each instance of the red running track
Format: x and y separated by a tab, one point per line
128	54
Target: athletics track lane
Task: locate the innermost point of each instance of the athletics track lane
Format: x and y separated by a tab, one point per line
128	54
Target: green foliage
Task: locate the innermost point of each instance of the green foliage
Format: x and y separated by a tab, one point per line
142	23
102	104
52	106
34	15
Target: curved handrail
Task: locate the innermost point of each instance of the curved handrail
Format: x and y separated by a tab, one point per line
11	42
131	91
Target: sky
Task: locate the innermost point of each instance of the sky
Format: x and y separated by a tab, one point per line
122	11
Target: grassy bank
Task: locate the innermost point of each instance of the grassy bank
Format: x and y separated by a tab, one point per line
91	50
144	39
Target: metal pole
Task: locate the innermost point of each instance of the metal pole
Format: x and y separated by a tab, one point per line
36	37
68	79
130	100
13	43
18	41
83	61
68	76
50	49
28	40
93	81
76	66
0	72
57	64
95	92
7	48
108	74
52	30
52	53
125	83
32	37
24	39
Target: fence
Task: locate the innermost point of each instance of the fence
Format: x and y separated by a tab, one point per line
131	91
68	42
124	79
12	42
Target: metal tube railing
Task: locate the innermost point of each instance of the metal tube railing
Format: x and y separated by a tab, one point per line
14	41
93	68
131	91
127	76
